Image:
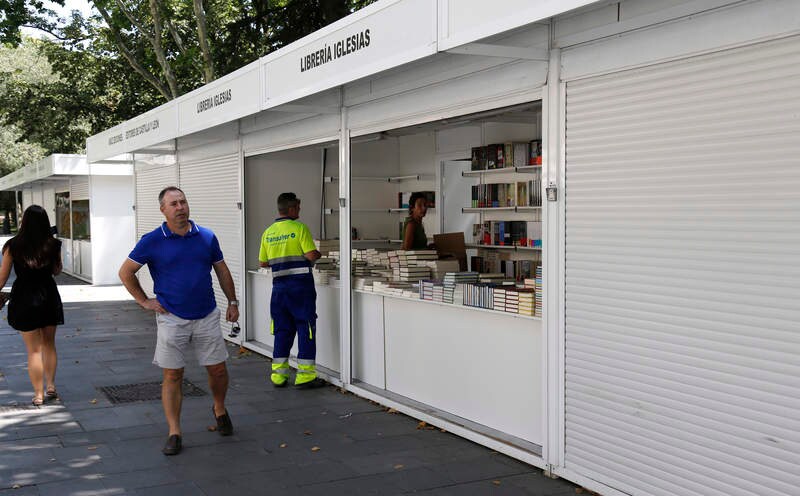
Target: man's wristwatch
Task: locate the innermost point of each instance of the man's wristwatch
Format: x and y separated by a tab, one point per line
234	303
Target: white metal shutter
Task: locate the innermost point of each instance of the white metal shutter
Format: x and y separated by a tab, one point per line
212	189
79	188
682	275
150	180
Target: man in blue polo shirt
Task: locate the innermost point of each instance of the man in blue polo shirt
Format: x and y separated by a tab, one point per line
180	255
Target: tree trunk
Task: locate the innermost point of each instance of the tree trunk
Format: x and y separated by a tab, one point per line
147	75
158	49
202	36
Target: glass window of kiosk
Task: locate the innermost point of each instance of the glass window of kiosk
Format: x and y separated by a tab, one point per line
80	220
62	219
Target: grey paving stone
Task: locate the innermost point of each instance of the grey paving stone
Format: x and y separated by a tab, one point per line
78	487
367	485
84	438
478	488
539	485
179	489
362	449
157	476
30	444
416	479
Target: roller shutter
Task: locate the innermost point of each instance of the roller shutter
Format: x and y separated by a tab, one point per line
150	180
212	189
682	276
79	188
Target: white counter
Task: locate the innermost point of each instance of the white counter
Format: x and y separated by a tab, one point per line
477	364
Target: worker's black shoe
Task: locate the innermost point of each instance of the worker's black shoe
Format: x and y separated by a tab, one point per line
281	385
173	446
316	383
224	424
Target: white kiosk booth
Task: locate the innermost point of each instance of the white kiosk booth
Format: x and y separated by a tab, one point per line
663	354
91	206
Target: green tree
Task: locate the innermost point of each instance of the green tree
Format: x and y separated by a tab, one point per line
134	55
31	13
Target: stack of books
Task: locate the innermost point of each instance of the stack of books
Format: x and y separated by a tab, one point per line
526	301
494	277
499	299
324	269
360	268
512	301
325	246
366	283
451	280
538	290
393	288
479	295
426	288
417	257
413	273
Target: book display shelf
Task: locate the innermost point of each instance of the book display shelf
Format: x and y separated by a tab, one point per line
501	220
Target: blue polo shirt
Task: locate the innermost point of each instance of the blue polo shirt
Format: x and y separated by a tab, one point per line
181	268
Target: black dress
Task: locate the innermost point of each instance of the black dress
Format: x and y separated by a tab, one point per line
34	301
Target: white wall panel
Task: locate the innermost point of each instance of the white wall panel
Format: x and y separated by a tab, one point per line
113	225
682	298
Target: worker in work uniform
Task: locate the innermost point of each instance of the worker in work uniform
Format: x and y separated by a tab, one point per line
288	249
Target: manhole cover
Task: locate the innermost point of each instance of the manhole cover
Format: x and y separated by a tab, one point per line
144	391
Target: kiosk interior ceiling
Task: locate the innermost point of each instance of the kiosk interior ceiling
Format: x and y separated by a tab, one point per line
525	113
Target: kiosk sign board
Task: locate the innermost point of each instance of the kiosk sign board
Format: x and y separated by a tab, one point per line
379	37
466	21
148	129
221	101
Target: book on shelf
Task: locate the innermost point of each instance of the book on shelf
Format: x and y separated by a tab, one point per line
479	158
494	156
508	233
516	194
535	152
506	155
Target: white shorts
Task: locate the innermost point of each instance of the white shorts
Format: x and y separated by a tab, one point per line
176	335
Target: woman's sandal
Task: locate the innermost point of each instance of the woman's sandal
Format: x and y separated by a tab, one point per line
51	393
37	401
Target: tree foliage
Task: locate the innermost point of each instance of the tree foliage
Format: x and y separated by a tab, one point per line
133	55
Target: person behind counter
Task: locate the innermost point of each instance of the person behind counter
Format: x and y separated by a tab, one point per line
414	237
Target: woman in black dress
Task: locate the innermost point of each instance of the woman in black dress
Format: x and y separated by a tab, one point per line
35	307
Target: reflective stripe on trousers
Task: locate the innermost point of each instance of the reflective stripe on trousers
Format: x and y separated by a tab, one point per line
306	371
280	370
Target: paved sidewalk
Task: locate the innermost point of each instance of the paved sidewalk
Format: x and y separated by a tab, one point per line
285	442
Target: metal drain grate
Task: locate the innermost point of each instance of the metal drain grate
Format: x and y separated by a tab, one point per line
144	391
